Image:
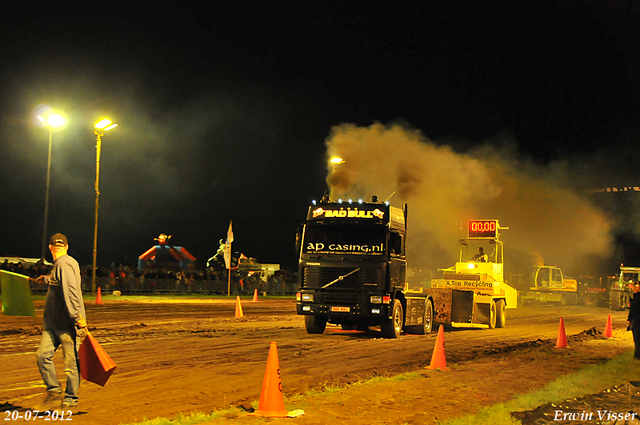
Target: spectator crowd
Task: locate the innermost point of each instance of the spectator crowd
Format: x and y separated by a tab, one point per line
157	279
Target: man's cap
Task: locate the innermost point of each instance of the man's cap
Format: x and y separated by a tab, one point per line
58	240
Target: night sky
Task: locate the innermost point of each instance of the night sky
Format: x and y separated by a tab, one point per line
224	108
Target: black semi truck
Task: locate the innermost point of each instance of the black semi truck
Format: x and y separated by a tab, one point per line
352	270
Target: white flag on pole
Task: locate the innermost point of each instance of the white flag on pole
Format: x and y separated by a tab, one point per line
230	233
227	247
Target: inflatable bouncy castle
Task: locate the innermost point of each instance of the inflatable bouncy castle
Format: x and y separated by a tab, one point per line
166	256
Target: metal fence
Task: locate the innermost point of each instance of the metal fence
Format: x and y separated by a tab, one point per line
145	285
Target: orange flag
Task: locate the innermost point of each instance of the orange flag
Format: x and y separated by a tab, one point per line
95	364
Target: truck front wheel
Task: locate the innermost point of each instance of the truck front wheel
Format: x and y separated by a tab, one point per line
314	324
392	328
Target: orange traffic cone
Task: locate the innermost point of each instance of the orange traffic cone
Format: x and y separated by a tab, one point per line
561	342
271	398
99	296
238	308
255	295
608	330
438	359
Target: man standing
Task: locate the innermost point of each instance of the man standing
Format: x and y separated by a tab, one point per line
633	320
64	316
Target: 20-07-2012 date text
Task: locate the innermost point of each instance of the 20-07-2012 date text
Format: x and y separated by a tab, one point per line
34	415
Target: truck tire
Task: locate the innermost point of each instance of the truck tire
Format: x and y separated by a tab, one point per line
492	315
614	300
314	324
392	328
618	300
427	321
569	299
501	309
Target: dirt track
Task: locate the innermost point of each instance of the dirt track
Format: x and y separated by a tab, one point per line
194	355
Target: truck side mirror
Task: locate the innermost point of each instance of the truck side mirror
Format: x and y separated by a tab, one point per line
298	237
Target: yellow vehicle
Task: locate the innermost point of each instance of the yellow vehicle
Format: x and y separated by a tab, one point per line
620	293
548	285
473	293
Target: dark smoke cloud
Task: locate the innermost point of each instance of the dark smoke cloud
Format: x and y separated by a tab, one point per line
444	189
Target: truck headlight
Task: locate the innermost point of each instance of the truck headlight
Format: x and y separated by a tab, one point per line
375	299
307	298
306	308
375	311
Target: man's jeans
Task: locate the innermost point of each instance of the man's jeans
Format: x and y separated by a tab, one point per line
51	340
635	329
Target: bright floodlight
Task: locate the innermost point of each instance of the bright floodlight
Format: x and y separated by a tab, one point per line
54	120
336	160
105	125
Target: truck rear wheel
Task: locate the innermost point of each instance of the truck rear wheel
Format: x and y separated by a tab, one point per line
314	324
392	328
501	309
427	321
569	299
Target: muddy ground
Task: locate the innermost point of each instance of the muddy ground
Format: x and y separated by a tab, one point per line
194	355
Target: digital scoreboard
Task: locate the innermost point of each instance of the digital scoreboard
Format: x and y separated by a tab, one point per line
483	228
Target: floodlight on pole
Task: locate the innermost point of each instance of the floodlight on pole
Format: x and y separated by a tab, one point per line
53	121
105	125
100	127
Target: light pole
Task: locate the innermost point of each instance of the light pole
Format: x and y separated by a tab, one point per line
54	121
100	128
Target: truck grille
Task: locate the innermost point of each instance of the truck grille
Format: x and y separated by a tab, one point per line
317	277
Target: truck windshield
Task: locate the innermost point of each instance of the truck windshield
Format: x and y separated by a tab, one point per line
344	240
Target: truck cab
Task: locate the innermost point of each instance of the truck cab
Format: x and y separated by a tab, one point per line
352	268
